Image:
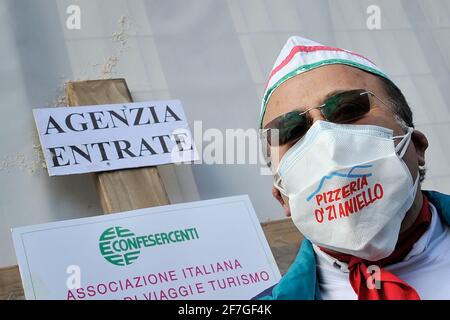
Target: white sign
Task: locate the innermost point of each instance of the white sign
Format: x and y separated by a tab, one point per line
213	249
109	137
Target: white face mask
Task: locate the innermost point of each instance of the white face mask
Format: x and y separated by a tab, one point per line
348	187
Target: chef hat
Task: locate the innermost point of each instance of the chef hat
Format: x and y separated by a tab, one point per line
301	55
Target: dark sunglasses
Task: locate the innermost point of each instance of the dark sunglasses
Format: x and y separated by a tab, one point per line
344	107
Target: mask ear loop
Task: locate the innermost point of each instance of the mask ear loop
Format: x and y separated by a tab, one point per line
277	184
402	146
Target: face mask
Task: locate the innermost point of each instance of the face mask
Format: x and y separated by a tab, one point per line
348	187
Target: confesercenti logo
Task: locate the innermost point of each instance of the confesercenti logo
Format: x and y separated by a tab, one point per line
122	247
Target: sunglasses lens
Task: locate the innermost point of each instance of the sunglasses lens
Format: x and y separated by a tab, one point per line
287	128
346	107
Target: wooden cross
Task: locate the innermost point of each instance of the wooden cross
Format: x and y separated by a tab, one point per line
120	190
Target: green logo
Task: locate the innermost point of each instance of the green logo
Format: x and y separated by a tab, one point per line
122	247
115	248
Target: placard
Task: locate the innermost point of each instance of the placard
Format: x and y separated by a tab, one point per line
213	249
115	136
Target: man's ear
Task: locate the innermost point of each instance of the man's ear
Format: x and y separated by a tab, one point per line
420	144
283	200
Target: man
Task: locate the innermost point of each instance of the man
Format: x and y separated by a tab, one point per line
347	163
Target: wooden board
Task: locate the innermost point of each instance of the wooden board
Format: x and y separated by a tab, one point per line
11	284
284	240
120	190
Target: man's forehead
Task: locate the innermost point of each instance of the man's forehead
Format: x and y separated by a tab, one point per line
311	88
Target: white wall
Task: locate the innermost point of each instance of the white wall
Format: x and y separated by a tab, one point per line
213	55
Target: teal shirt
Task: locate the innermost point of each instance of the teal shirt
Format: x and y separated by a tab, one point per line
300	281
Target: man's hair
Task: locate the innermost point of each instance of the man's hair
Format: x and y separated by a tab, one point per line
401	110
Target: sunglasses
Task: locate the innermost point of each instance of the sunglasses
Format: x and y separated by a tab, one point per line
344	107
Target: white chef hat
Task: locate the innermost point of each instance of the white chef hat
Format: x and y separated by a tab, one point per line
301	55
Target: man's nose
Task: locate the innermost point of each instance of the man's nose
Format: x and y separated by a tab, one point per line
315	115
